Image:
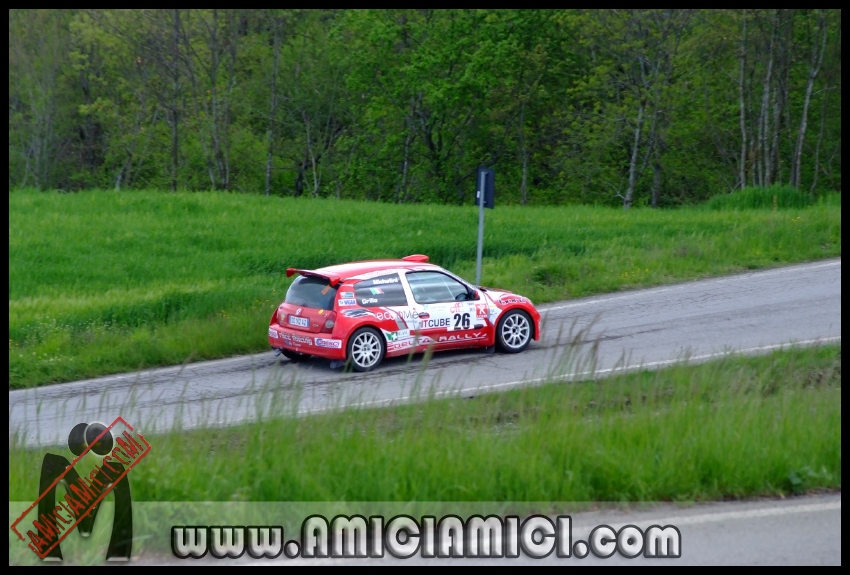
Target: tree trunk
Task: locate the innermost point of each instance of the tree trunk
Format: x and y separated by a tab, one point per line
764	116
231	80
120	175
299	179
213	74
656	182
781	105
175	158
820	140
814	68
199	95
742	173
273	106
630	192
770	86
753	163
524	152
405	166
781	63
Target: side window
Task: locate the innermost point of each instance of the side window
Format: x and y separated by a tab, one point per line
434	287
380	291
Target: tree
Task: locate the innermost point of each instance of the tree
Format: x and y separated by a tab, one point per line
39	110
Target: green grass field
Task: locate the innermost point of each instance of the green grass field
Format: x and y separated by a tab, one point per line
731	428
106	282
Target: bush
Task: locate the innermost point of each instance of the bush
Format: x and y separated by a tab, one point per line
761	198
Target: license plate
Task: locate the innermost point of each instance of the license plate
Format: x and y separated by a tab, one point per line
299	321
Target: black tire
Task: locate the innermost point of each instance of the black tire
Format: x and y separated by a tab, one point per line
366	349
294	356
513	333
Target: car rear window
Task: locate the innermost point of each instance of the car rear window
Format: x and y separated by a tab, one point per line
311	292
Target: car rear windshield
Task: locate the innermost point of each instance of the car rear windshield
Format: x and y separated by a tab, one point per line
311	292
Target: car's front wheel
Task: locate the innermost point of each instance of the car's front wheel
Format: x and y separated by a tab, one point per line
366	349
294	356
513	333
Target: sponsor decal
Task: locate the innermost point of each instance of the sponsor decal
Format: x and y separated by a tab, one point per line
345	302
397	345
402	314
387	273
272	333
357	313
346	294
408	343
435	323
331	343
368	300
512	300
376	291
377	282
455	307
397	335
302	339
463	337
481	310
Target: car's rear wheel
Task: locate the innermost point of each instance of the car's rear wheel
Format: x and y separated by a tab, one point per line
294	356
513	333
366	349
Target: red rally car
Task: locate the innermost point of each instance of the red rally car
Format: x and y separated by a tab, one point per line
362	312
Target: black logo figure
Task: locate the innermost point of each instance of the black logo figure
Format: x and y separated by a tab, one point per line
81	437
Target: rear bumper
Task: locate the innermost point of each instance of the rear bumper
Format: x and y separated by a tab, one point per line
311	343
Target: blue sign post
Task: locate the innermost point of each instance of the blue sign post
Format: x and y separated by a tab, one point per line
484	198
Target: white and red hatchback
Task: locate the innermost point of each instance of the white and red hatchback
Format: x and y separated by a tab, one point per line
362	312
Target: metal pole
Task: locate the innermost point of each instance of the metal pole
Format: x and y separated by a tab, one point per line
480	227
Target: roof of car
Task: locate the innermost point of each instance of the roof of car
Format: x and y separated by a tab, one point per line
341	272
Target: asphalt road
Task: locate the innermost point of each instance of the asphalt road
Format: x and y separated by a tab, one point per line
597	336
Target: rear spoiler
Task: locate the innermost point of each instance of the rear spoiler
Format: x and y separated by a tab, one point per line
333	280
416	258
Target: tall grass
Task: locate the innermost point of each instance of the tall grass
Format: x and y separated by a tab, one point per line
735	427
771	197
104	282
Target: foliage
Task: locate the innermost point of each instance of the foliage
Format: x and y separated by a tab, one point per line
629	107
773	197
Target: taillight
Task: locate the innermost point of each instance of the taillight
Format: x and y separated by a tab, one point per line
329	323
281	316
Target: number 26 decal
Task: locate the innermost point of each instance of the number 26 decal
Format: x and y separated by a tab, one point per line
461	321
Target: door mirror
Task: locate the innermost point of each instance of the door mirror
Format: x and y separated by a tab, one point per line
474	294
